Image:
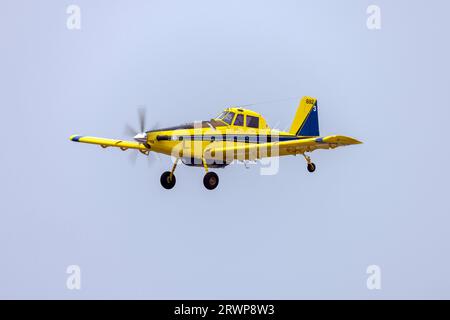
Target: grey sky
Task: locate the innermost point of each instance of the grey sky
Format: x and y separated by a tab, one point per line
292	235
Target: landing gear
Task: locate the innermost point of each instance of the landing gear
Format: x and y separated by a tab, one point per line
168	179
311	166
211	180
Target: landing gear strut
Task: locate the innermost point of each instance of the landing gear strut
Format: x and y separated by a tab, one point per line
311	166
168	179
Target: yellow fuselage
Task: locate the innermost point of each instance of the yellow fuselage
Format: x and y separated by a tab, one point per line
191	141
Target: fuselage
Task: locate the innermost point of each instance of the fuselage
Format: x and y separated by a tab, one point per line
234	126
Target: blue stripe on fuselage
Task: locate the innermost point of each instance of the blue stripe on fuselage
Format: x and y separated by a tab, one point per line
239	138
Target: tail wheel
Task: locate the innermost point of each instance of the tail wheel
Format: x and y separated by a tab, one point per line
211	180
311	167
167	180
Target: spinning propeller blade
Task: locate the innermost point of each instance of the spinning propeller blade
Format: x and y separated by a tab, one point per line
139	134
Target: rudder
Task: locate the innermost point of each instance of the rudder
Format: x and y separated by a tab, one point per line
306	120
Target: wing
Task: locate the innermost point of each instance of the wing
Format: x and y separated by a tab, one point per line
122	144
257	151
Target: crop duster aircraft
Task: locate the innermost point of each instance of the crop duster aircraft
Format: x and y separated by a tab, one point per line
235	134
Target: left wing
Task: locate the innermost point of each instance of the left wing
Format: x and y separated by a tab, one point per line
103	142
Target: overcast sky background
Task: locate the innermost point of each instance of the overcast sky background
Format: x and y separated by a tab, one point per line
293	235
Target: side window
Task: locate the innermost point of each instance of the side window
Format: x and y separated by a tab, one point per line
252	122
229	117
239	120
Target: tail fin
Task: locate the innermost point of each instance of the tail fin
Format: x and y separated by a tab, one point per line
306	121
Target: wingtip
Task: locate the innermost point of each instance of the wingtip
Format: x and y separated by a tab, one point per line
75	137
344	140
354	141
351	140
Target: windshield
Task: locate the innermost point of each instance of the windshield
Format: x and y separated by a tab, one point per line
221	115
228	117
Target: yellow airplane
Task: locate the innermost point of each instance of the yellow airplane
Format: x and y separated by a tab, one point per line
236	134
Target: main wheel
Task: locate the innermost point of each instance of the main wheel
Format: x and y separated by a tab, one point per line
211	180
311	167
166	181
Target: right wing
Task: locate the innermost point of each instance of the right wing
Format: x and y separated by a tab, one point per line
249	151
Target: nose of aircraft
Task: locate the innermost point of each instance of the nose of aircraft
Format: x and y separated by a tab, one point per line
140	137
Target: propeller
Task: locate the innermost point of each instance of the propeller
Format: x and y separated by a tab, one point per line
138	135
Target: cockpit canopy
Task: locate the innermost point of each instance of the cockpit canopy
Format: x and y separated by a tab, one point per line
237	117
242	118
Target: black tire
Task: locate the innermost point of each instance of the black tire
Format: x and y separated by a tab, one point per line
211	180
166	181
311	167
